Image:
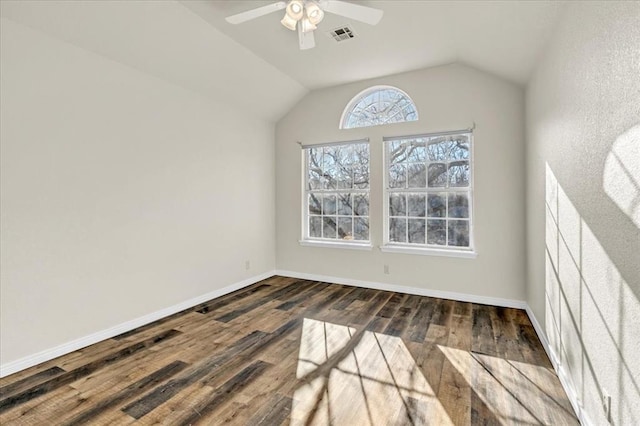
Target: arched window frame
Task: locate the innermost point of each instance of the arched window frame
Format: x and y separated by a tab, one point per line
357	98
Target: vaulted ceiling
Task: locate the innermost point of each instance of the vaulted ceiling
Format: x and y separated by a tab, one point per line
258	67
501	37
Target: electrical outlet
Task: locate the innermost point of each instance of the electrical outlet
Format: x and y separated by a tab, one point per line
386	269
606	404
247	265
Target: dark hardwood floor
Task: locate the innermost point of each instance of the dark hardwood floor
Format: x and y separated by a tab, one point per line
289	351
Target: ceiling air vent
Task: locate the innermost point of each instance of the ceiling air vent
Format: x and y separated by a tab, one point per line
342	34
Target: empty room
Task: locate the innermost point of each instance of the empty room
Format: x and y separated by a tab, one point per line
319	212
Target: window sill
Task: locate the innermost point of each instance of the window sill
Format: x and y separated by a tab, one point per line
336	244
427	251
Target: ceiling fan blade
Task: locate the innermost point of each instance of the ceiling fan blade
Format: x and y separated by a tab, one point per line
365	14
306	40
256	13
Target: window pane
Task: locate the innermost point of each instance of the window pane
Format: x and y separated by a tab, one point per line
328	158
329	227
361	204
458	205
438	149
398	230
417	175
437	174
361	177
344	177
416	231
330	166
330	178
416	204
315	181
314	168
417	151
397	176
459	173
459	233
343	155
361	228
412	151
345	228
397	205
437	232
437	205
459	149
315	204
344	204
315	157
397	152
360	154
328	204
315	226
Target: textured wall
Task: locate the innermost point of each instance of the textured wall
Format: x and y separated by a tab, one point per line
583	203
448	98
121	194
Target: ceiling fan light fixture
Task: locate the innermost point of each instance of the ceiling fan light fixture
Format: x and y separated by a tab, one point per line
309	13
314	13
289	22
307	25
295	9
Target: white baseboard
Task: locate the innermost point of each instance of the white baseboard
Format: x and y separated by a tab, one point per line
565	379
462	297
74	345
65	348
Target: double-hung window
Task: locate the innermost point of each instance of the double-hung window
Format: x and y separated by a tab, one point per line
428	194
336	194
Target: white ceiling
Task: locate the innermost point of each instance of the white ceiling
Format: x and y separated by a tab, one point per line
257	66
501	37
166	40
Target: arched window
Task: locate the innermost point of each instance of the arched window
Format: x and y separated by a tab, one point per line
378	105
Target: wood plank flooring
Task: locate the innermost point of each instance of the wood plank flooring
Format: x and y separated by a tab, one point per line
289	351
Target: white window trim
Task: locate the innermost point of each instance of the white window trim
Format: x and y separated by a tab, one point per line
428	250
322	242
340	244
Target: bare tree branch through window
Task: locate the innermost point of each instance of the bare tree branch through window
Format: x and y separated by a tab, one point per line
429	191
379	105
337	191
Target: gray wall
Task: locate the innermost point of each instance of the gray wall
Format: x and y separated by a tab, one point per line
121	194
583	203
448	98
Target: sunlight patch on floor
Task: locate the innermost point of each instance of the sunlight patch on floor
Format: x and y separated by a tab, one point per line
375	382
511	390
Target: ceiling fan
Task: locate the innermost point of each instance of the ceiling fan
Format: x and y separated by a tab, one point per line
305	15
